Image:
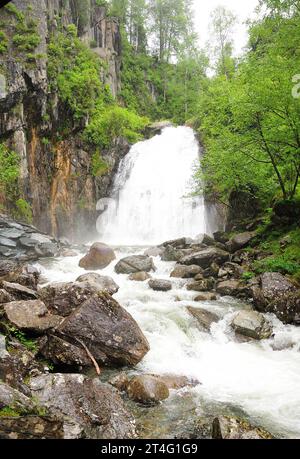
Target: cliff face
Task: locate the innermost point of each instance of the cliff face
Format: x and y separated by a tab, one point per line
56	176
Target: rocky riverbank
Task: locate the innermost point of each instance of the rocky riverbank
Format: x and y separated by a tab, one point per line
52	336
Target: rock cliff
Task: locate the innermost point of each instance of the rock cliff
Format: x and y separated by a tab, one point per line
56	177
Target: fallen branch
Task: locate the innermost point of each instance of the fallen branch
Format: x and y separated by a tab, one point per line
90	356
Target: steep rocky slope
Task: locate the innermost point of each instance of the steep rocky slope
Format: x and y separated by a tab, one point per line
56	177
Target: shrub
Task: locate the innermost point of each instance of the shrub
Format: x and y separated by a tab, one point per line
23	210
106	126
99	165
3	42
9	167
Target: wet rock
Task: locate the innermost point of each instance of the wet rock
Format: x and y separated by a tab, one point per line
181	243
109	332
171	253
5	297
287	308
204	258
212	271
206	296
252	324
120	381
14	399
230	428
221	236
7	242
147	390
230	288
103	283
61	352
19	292
64	298
186	272
240	241
271	286
46	249
139	277
160	285
230	270
202	285
7	267
31	428
205	318
135	264
88	408
14	368
99	257
154	252
31	316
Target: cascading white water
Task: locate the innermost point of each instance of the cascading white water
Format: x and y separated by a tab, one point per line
259	378
151	201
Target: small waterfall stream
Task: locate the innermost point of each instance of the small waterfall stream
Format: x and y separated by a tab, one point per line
259	380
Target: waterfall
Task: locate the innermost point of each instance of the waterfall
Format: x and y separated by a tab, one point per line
151	200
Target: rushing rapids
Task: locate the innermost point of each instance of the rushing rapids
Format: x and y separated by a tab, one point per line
258	379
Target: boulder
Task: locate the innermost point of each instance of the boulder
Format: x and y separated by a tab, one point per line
160	285
175	382
147	390
171	253
206	296
64	298
31	316
181	243
205	318
139	277
87	407
239	241
230	428
99	257
204	258
230	270
230	288
103	283
154	252
19	292
274	293
221	237
135	264
61	352
202	285
7	267
109	332
5	297
68	253
14	399
31	428
186	272
7	242
46	249
252	324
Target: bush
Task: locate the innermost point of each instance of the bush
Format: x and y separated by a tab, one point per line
23	210
99	165
114	122
3	42
9	167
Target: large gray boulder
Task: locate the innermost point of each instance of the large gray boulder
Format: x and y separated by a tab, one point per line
205	257
231	288
60	352
252	324
276	294
31	316
88	408
239	241
64	298
99	257
203	285
135	264
19	292
108	331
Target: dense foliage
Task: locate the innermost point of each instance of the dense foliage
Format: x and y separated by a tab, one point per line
250	119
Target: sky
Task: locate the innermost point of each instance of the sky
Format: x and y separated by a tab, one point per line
243	9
